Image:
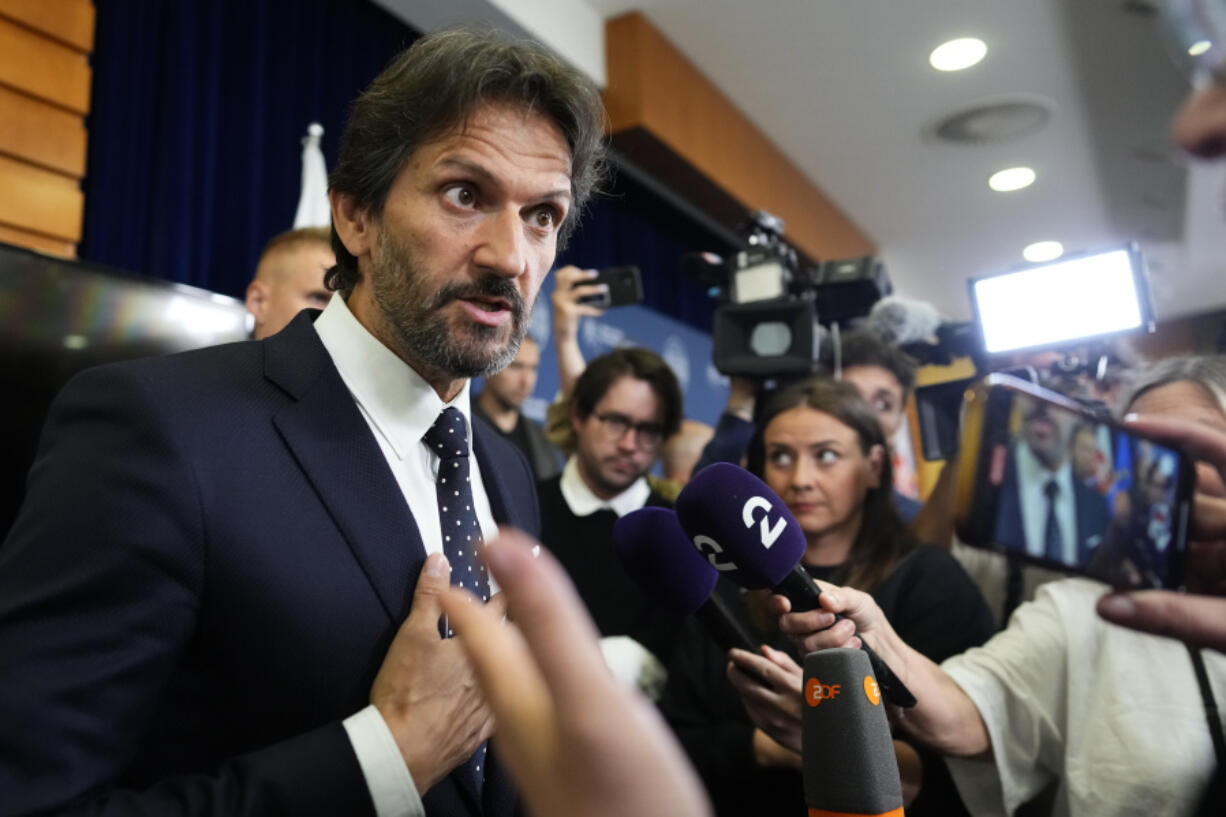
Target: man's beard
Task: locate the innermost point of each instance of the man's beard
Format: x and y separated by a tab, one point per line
416	316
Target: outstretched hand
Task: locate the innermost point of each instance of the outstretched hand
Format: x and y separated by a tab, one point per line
1198	618
575	741
569	290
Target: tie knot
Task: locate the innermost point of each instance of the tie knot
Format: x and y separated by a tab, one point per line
448	437
1051	489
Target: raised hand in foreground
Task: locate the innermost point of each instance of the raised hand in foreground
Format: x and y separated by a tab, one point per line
575	741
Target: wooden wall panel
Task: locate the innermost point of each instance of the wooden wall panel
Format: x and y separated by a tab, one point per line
69	21
40	201
41	134
34	241
43	68
44	95
653	86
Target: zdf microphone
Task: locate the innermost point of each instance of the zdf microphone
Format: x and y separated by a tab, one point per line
848	762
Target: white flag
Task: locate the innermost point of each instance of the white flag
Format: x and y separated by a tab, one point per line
313	209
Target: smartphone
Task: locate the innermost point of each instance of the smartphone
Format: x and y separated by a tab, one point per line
625	287
1044	480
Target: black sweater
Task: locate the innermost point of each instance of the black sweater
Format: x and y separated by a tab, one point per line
584	546
931	603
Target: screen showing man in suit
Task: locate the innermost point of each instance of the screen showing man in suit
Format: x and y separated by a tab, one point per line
1044	508
221	593
1086	495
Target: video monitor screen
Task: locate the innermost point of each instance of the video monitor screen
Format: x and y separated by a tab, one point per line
1086	495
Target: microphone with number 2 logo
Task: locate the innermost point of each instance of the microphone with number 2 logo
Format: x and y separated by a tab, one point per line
747	533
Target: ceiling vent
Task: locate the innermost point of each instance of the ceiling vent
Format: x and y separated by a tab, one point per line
992	122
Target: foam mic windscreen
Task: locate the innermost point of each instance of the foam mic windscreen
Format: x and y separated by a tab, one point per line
656	553
745	530
742	527
848	764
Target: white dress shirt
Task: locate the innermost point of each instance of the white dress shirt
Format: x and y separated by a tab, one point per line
583	502
1032	479
400	407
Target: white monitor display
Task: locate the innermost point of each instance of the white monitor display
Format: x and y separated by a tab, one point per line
1066	300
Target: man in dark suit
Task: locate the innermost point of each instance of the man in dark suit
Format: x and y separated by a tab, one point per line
221	593
1044	509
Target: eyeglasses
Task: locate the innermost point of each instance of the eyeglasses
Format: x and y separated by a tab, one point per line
647	436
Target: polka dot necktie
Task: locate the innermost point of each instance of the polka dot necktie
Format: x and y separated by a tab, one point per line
448	440
1053	540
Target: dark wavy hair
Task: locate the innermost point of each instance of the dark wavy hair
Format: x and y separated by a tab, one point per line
883	539
639	363
432	88
862	347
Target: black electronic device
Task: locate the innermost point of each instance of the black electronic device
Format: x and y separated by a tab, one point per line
625	287
937	407
776	305
1043	479
58	317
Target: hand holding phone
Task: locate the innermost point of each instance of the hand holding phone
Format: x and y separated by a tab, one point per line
623	286
571	285
1199	620
1043	480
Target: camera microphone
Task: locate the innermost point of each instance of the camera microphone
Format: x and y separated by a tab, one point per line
747	532
903	321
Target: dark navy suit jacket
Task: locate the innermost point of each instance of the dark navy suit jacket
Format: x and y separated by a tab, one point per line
1092	513
211	561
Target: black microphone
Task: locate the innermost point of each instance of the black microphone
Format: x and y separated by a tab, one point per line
848	761
746	531
656	553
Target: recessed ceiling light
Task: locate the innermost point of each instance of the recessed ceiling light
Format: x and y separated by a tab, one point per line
1010	179
1198	48
957	54
1041	251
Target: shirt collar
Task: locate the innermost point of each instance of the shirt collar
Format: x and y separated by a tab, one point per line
583	502
1033	472
401	405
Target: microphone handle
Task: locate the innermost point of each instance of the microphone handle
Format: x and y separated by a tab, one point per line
804	593
728	631
724	626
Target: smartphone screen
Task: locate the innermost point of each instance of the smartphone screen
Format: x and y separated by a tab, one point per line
1056	486
625	287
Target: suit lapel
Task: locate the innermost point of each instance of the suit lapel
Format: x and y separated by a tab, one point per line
335	448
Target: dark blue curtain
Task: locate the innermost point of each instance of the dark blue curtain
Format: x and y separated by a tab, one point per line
632	225
194	152
198	109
